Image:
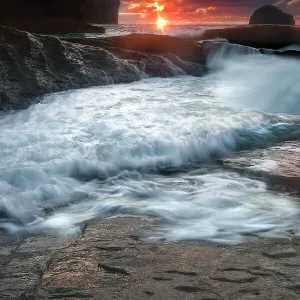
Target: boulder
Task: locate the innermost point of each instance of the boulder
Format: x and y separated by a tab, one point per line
270	14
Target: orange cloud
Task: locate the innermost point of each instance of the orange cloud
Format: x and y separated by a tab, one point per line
211	8
189	11
133	6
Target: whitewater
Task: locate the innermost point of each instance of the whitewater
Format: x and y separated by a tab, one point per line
151	149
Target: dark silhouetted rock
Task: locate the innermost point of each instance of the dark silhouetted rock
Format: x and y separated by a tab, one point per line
98	11
257	36
270	14
53	26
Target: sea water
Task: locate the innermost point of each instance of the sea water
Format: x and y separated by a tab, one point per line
149	149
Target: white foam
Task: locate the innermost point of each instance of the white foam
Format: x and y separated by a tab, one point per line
266	165
101	151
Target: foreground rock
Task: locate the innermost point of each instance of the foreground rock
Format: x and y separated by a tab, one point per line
113	261
270	14
31	66
279	165
149	43
257	36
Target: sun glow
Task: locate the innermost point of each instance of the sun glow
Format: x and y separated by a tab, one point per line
161	22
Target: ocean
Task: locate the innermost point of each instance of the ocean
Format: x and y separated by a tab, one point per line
150	149
173	30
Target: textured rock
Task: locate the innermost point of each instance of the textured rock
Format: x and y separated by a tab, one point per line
113	260
150	43
31	66
100	11
257	36
270	14
279	165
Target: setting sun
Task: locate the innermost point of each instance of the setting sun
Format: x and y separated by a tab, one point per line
161	23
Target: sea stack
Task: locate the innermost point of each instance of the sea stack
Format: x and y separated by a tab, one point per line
97	11
58	16
270	14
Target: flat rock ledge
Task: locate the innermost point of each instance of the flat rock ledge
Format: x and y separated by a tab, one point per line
112	260
278	166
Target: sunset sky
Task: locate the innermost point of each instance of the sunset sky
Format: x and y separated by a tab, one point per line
199	11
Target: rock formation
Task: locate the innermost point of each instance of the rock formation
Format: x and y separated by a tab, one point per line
58	16
258	36
31	66
98	11
270	14
51	26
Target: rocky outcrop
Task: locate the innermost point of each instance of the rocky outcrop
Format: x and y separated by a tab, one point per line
31	66
98	11
149	43
270	14
101	11
257	36
58	16
51	26
279	166
112	260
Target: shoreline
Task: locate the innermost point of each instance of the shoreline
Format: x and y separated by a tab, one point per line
112	259
31	70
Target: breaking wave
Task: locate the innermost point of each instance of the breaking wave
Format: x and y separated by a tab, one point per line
145	149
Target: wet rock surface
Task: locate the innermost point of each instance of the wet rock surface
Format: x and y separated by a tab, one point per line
257	36
113	260
279	165
32	66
